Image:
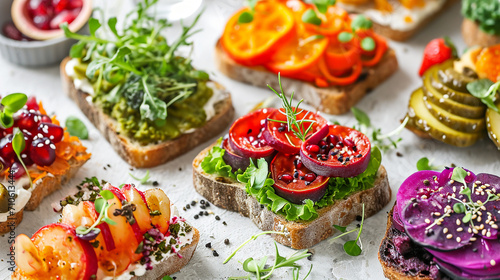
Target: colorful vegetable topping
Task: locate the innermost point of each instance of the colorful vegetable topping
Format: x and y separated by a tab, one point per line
453	215
252	43
437	51
325	46
246	135
294	182
336	151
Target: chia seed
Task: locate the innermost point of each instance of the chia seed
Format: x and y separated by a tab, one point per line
215	253
217	218
224	223
226	241
196	216
156	184
208	245
193	203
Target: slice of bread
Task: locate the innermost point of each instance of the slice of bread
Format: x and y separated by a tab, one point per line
474	36
231	195
403	35
46	186
153	154
168	266
332	100
388	252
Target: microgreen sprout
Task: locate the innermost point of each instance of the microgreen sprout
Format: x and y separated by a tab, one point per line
18	145
144	179
310	15
260	269
426	164
360	22
377	138
293	124
486	91
11	104
247	17
351	247
101	206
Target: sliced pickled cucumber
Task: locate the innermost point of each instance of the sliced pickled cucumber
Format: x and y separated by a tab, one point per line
456	122
493	125
453	79
463	97
454	107
425	121
4	199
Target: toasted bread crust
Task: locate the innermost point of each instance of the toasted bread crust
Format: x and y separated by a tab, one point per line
47	185
150	155
169	266
399	35
331	100
474	36
12	222
231	195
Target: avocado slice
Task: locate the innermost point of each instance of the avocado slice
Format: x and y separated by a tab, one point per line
425	121
493	125
455	122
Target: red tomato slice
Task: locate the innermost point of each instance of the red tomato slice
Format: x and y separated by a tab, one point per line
141	214
336	151
245	135
294	182
60	252
282	139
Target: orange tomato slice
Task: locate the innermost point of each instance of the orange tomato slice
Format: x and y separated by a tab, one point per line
300	53
488	63
254	42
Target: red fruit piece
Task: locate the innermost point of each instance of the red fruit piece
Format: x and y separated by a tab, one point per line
60	5
31	104
54	132
6	150
10	31
39	8
18	170
437	51
43	151
28	121
64	16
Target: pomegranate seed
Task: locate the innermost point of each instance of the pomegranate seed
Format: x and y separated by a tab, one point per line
43	151
28	121
64	16
60	5
10	31
6	150
40	8
18	170
287	178
348	142
54	132
74	4
333	139
32	104
42	22
322	143
309	177
313	148
4	163
46	119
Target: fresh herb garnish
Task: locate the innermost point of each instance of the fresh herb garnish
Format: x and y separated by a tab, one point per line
293	125
247	17
321	6
351	247
101	206
18	145
311	17
261	270
425	164
142	180
360	22
377	138
137	65
486	91
11	104
76	127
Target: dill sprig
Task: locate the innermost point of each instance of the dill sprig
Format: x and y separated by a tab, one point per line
293	124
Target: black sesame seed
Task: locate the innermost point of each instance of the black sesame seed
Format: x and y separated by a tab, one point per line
354	148
307	183
207	204
262	206
208	245
156	184
196	216
201	213
109	165
180	168
249	131
215	253
193	203
202	201
226	241
217	218
206	213
188	206
358	218
281	128
202	206
104	168
399	154
224	223
296	174
184	208
309	257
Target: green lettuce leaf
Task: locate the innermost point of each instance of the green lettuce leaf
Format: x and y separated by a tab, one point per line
213	163
260	186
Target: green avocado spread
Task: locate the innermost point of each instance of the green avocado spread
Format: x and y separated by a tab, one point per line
486	13
138	78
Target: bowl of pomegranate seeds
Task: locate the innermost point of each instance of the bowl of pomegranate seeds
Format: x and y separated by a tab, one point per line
30	34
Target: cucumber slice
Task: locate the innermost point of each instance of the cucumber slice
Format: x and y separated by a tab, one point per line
425	121
493	125
455	122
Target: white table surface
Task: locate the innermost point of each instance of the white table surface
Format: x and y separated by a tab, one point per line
386	105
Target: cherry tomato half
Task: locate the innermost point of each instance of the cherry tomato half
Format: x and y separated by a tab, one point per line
336	151
246	134
281	138
294	182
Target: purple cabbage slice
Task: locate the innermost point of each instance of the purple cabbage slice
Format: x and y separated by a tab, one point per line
427	225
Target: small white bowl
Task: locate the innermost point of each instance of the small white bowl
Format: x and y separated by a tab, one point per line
31	53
